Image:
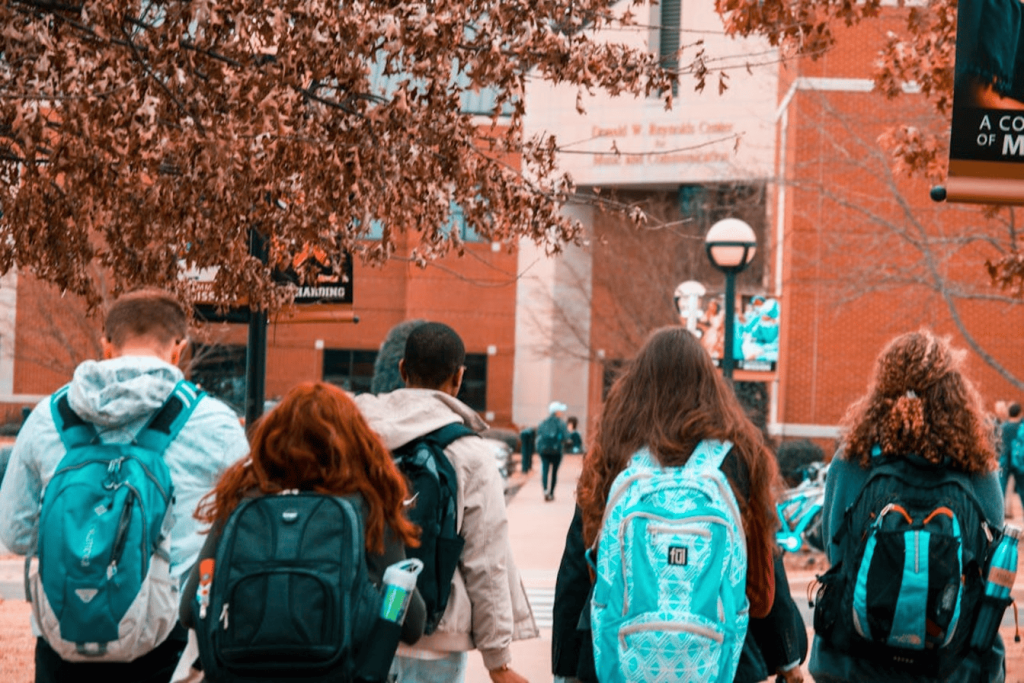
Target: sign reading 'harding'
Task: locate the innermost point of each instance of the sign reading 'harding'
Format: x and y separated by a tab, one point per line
331	284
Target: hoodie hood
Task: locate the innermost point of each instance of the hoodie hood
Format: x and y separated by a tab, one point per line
406	414
112	393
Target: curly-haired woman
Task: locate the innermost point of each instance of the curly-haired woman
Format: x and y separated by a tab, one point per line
316	440
923	411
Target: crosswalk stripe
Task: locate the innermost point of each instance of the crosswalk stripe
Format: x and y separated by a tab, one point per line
542	600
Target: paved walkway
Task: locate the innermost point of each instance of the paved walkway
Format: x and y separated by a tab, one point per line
537	533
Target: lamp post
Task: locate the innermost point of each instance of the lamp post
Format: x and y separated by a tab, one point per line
730	245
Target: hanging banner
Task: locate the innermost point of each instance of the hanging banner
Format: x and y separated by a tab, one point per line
755	337
986	150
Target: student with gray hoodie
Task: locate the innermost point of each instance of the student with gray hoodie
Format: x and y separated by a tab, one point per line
488	607
145	334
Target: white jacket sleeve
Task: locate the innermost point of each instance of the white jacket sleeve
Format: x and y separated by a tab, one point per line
485	556
22	489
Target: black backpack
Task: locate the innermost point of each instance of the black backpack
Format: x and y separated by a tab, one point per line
549	433
290	596
434	489
907	590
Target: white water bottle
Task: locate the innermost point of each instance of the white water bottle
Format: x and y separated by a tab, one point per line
399	584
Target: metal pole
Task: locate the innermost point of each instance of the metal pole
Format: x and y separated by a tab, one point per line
730	323
256	350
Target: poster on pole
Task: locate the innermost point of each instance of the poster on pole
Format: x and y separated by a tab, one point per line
756	335
986	150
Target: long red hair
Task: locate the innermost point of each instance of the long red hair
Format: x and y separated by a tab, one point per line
317	440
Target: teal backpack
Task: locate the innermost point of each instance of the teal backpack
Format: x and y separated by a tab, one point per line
100	582
670	602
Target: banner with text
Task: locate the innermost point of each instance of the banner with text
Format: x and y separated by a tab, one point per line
986	149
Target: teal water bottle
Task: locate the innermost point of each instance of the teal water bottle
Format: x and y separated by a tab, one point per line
399	584
1002	571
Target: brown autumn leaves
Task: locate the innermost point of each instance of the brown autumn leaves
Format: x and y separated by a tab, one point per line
148	138
144	139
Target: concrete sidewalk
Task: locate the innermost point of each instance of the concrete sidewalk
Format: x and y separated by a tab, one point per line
537	531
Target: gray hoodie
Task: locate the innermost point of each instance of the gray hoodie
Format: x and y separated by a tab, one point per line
488	607
119	396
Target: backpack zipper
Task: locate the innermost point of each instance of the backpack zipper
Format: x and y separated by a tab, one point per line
675	626
224	616
121	537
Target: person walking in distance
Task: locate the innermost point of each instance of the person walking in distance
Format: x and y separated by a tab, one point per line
1011	452
487	607
575	441
552	434
105	475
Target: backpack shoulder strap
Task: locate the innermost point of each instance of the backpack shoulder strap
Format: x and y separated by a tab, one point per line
73	430
709	455
448	434
167	422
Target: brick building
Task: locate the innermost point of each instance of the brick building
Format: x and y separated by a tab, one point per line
853	254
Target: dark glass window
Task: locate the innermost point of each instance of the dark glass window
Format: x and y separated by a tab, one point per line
220	371
668	38
350	369
612	369
474	382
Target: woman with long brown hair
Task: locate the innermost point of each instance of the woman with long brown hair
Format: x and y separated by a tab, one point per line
918	435
668	400
316	441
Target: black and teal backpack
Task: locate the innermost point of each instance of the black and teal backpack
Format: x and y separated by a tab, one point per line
908	586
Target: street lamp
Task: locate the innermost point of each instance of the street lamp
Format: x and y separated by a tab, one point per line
730	244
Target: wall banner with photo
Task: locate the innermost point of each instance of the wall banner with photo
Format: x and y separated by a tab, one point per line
986	150
755	337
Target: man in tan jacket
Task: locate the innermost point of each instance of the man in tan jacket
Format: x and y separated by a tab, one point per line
488	607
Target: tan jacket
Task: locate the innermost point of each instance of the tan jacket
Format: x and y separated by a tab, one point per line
488	607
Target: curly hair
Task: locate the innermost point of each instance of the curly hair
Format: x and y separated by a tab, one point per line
316	439
920	402
669	399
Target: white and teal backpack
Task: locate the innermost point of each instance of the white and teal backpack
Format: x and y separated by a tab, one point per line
670	599
100	581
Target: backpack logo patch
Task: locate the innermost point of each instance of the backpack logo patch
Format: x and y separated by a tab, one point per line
86	594
677	556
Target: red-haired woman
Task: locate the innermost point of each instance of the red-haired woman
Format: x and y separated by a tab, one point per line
316	440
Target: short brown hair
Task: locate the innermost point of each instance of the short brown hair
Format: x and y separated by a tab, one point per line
146	313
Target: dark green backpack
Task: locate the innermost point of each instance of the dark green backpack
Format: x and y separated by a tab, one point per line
434	488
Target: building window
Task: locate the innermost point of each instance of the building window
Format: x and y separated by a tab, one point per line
612	370
474	382
220	371
668	38
350	369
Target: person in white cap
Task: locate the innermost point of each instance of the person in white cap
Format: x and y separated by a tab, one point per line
551	436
